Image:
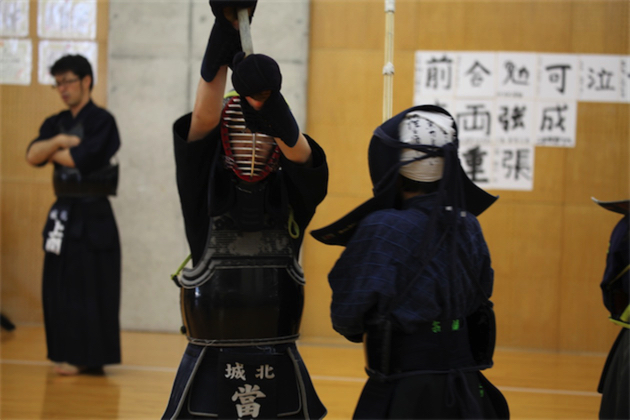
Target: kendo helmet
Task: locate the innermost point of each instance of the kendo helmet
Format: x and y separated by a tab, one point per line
250	155
420	142
413	142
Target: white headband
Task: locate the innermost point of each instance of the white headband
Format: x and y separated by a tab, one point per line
426	128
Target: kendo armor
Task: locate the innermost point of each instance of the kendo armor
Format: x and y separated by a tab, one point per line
248	288
251	156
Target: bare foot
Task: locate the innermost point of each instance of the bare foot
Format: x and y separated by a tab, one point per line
67	369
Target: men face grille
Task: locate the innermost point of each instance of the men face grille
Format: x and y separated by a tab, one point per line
252	156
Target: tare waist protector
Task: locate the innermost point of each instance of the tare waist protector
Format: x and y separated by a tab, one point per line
246	290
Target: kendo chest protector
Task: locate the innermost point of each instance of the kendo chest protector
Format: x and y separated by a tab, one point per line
246	290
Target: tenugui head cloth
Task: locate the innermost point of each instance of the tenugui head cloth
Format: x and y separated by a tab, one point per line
384	159
428	129
618	206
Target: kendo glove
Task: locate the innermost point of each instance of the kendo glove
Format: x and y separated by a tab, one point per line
255	74
224	41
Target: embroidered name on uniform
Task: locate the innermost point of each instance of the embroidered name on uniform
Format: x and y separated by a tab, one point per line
247	394
55	236
247	397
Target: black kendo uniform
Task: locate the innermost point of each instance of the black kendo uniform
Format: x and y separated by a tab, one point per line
281	205
242	301
414	284
81	279
614	384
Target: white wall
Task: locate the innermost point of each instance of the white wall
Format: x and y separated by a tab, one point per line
155	52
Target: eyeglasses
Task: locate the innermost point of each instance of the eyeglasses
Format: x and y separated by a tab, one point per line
64	83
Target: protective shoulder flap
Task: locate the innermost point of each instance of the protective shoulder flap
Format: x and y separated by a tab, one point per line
618	206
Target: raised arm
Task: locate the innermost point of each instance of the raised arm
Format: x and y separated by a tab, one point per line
224	42
206	112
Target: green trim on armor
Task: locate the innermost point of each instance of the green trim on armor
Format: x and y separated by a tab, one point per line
624	318
618	276
620	323
292	227
181	266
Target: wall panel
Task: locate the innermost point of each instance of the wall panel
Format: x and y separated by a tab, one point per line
598	165
525	246
318	259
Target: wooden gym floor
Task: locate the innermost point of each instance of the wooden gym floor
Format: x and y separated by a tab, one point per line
537	385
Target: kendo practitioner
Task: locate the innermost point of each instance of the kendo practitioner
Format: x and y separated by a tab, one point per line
614	384
414	281
249	182
81	279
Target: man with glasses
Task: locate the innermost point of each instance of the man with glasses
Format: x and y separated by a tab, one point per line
81	279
